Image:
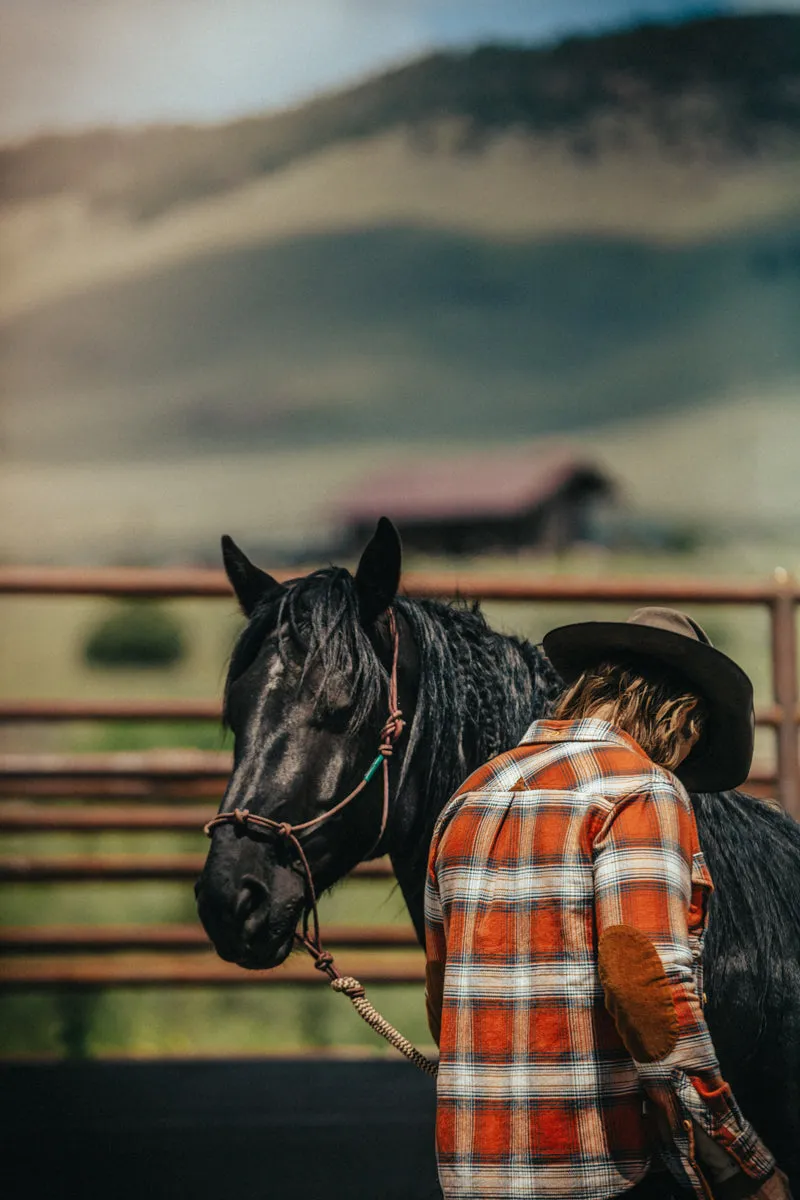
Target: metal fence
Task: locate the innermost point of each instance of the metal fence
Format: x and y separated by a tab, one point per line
161	791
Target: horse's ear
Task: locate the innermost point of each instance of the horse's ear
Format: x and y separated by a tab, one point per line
249	582
378	574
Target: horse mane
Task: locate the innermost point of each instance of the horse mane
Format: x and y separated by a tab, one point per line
752	850
478	689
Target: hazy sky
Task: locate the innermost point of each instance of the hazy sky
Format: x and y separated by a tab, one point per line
67	63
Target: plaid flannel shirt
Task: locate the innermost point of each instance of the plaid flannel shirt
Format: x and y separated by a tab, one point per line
572	832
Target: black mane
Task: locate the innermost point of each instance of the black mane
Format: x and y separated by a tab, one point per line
752	960
478	689
752	849
319	614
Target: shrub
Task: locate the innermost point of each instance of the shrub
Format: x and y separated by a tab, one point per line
137	634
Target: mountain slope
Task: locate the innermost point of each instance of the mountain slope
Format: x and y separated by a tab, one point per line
514	190
511	242
728	88
399	331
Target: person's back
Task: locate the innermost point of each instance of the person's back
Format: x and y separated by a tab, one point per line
537	1092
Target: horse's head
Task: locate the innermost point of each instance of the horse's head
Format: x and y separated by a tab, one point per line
306	697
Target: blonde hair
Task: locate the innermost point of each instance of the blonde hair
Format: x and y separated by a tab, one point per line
646	701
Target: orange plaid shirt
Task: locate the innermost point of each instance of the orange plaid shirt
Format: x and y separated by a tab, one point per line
574	831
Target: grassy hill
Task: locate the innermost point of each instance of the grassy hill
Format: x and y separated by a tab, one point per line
723	86
400	331
507	243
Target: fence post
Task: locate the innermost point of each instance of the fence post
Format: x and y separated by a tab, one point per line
784	680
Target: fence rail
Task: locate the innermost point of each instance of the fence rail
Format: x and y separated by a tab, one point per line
158	791
110	710
58	938
187	582
22	817
198	969
51	868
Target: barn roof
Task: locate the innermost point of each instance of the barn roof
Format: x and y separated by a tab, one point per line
496	484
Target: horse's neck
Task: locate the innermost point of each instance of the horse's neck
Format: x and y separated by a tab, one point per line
412	819
410	875
409	858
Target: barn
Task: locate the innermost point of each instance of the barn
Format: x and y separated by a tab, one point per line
476	504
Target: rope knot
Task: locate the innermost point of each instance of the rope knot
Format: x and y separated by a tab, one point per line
392	730
350	986
240	815
323	961
283	829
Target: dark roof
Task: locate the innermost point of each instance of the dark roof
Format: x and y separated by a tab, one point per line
496	484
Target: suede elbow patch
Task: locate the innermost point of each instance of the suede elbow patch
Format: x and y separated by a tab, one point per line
637	992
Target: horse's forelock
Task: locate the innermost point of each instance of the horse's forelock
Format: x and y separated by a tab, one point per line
318	615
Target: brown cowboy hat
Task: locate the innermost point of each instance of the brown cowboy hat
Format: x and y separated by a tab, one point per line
722	758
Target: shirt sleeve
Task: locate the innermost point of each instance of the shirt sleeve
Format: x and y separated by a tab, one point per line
646	899
435	948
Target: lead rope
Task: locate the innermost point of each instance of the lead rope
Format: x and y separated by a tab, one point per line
310	938
355	994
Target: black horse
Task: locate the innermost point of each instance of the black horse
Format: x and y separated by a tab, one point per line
306	697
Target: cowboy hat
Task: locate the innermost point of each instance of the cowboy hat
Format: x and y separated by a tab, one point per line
721	759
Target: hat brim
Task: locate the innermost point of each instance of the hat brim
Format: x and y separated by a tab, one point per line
722	758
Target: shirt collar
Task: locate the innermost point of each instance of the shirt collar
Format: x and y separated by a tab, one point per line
589	729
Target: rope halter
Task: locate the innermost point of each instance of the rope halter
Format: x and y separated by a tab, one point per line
310	938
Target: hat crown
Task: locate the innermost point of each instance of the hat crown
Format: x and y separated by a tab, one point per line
671	621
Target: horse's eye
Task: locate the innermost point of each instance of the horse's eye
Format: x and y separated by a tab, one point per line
233	715
333	719
239	702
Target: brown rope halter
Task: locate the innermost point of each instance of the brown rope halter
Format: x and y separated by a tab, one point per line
310	938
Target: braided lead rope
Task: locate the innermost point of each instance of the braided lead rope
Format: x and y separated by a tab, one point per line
354	990
357	997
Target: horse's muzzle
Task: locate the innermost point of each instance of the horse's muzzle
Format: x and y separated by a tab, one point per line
248	924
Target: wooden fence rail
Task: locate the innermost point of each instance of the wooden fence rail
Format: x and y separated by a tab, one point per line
200	969
50	868
56	939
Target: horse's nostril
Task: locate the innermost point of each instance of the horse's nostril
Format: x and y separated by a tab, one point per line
252	893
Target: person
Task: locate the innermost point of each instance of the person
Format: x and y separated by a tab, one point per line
566	901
